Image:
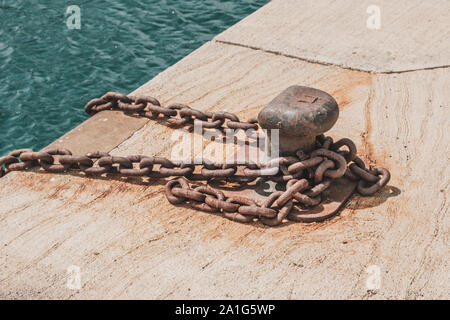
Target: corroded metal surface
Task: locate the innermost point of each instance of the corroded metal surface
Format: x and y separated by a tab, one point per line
175	114
307	207
300	114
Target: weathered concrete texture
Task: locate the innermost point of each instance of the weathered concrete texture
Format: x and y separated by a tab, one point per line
103	132
129	242
413	34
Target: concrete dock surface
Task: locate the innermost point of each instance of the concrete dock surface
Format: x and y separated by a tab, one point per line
125	239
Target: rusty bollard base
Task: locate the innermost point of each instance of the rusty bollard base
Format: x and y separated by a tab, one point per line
333	199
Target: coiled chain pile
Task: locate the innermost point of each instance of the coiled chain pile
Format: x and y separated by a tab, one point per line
306	175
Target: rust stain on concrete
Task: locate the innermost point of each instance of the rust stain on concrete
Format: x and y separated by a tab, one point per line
343	86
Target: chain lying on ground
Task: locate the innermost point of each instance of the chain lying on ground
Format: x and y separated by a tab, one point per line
306	176
176	114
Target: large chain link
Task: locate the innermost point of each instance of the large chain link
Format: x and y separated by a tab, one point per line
306	176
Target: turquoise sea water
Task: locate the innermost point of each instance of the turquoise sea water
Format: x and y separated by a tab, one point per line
49	71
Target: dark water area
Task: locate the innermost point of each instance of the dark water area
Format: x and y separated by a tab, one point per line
50	71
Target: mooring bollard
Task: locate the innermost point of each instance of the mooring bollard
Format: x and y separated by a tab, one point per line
300	114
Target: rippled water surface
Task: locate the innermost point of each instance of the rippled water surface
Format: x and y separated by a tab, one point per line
49	72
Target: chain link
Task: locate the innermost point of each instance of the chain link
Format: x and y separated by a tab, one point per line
307	176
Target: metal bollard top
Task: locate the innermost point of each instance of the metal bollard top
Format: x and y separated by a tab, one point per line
300	113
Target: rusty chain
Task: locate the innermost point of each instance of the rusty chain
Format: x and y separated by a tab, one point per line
176	114
306	176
